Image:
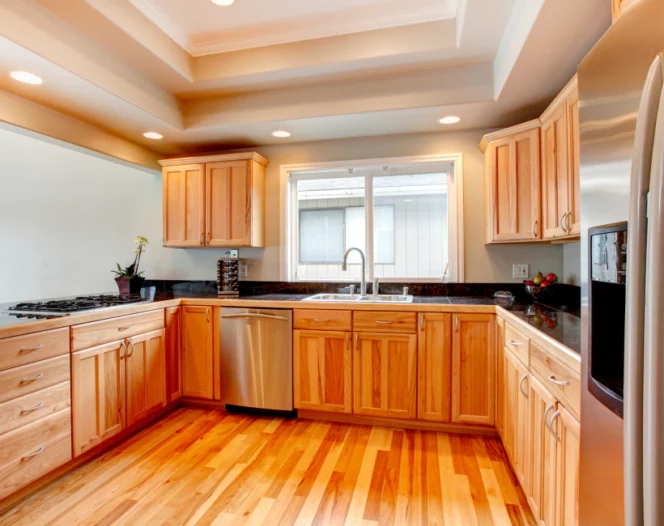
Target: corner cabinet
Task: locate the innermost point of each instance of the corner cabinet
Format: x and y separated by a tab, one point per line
214	201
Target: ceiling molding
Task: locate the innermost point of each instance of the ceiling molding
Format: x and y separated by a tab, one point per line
361	19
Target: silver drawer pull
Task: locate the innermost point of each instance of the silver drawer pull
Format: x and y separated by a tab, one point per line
550	425
125	328
30	349
38	406
321	320
29	380
30	455
384	322
552	379
514	342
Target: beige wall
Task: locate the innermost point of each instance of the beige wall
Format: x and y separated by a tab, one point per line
482	263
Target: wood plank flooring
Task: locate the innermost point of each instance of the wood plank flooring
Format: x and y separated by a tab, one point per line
200	467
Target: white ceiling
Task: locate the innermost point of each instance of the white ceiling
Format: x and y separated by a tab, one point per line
203	28
324	69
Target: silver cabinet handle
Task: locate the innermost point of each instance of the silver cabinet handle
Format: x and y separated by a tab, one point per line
546	412
131	345
552	378
422	321
535	224
30	380
30	455
515	342
550	425
321	320
347	340
30	349
207	315
200	238
456	323
32	409
562	222
208	238
384	322
124	328
357	338
521	385
123	352
252	315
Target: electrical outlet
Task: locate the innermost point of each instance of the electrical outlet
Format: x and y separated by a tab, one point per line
520	271
232	253
243	270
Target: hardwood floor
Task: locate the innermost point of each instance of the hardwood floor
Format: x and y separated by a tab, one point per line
207	467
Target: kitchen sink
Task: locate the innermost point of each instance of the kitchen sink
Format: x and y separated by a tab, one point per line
387	298
333	297
381	298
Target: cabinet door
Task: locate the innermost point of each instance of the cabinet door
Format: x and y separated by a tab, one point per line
549	467
229	203
540	446
500	376
568	469
173	324
184	205
573	222
146	374
98	394
197	352
555	190
473	366
434	367
499	181
322	365
384	375
517	408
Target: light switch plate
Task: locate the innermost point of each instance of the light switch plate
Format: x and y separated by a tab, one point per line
232	253
520	271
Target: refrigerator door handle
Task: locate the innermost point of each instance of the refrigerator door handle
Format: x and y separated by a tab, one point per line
636	300
653	360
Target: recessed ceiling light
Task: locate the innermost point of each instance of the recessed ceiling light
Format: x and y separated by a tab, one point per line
450	119
223	2
281	133
153	135
25	77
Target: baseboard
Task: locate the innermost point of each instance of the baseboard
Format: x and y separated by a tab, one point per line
201	403
94	453
419	425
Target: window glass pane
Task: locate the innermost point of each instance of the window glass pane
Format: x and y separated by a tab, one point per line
321	236
355	233
418	242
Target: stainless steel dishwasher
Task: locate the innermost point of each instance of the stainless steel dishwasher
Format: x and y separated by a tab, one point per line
256	358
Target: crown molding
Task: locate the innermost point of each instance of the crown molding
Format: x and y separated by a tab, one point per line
172	31
201	159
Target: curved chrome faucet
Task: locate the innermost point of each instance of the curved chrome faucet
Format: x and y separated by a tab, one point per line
344	266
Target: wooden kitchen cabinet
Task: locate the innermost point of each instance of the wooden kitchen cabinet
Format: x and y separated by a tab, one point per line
214	201
434	367
473	368
183	205
567	474
197	352
516	416
173	324
98	394
385	375
322	370
574	160
146	375
512	179
500	377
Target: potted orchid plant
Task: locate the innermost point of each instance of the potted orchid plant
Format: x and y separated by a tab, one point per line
129	279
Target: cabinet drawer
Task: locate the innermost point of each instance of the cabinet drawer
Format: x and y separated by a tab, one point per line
29	408
32	451
385	322
27	379
99	332
559	379
517	343
30	348
322	320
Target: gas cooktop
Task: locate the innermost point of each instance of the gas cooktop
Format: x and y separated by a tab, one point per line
63	307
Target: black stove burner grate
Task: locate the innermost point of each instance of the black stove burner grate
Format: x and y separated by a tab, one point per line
80	303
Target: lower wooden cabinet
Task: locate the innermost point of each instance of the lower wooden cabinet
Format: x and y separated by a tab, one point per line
197	352
516	425
146	375
322	370
385	374
473	368
434	367
567	469
173	324
98	394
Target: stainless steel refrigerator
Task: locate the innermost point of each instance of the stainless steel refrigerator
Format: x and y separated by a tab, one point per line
622	268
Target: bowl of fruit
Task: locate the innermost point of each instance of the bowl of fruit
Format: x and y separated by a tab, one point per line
541	285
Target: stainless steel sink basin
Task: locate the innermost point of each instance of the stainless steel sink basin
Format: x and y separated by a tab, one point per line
333	297
387	298
381	298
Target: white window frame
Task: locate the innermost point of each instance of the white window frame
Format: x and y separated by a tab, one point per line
420	164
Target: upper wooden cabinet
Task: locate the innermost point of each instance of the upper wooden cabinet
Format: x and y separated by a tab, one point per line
214	201
532	176
512	176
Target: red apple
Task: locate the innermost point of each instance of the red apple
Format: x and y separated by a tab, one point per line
545	284
551	277
529	283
